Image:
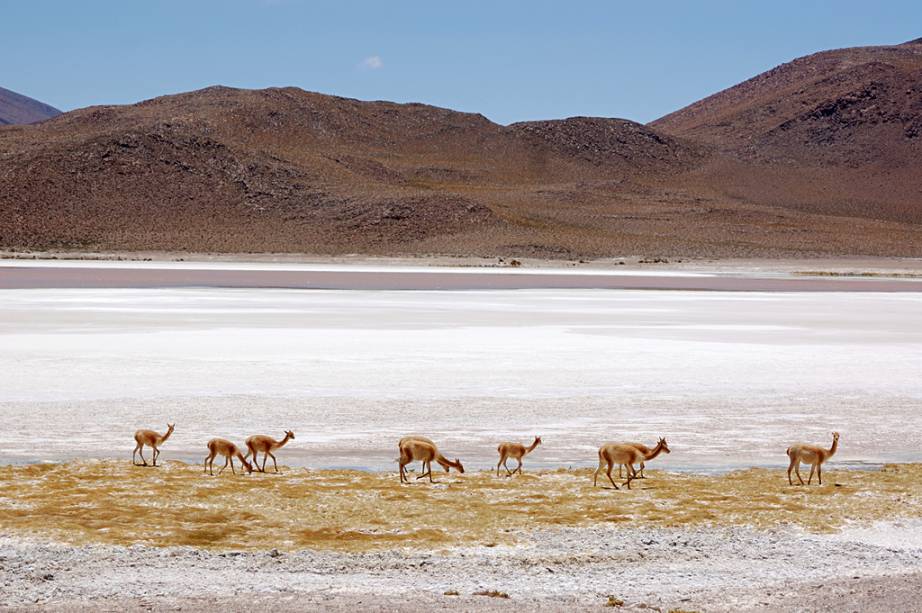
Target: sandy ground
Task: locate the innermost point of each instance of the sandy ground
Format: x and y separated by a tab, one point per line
708	569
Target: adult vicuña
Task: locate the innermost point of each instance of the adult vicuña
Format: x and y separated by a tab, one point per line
421	448
152	440
624	455
648	454
810	454
516	451
266	444
229	451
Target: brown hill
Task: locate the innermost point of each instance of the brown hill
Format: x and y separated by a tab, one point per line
16	108
835	132
286	170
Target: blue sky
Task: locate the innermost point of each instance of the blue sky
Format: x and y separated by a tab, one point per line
509	60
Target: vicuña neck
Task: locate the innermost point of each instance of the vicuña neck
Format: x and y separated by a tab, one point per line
654	452
835	445
445	461
166	436
532	447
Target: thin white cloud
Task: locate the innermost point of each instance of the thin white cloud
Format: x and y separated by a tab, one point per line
372	62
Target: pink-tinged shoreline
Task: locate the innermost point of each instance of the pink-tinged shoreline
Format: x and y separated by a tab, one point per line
47	277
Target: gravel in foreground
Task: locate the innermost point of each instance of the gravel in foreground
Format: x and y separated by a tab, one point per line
695	568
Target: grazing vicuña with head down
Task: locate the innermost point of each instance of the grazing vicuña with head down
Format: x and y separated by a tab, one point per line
810	454
420	448
229	451
153	440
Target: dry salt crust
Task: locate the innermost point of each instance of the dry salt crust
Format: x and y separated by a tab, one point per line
713	569
730	378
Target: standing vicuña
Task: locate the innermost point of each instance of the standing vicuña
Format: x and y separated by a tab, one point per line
266	444
648	454
624	455
516	451
420	448
152	440
810	454
228	450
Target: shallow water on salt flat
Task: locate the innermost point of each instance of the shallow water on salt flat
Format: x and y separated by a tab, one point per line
730	378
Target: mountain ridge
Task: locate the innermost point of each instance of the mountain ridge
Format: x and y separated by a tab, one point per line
814	157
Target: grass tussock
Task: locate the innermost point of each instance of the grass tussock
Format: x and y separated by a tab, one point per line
114	502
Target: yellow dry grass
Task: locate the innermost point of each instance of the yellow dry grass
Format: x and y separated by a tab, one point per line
114	502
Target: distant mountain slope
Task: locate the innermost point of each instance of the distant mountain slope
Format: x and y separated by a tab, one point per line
16	108
848	106
837	132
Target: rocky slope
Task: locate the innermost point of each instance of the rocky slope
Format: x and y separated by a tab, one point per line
837	132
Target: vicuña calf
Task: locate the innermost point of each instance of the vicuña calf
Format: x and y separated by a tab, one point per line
153	440
229	451
810	454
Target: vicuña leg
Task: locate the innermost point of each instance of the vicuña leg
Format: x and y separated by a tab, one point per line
595	477
631	475
797	471
427	471
608	472
273	462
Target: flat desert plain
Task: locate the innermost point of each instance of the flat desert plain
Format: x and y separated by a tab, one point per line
730	366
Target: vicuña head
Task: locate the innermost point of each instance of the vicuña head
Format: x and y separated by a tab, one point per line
448	464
